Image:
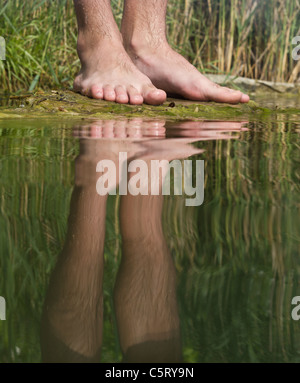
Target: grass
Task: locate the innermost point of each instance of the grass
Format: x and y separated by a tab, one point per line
242	37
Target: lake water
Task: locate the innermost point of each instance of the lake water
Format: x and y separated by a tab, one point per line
146	277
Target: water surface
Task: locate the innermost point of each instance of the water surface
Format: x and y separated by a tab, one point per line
91	278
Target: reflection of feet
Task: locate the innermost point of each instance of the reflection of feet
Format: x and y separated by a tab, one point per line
94	151
132	130
171	72
206	130
106	139
142	140
108	73
137	129
176	149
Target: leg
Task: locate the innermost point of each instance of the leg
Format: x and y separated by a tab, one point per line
107	72
144	35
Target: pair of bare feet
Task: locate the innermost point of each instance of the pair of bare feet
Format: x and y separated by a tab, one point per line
137	65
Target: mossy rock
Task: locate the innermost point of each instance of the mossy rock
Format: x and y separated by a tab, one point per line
67	104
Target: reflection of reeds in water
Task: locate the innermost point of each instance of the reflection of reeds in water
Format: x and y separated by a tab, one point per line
243	37
36	182
238	278
236	256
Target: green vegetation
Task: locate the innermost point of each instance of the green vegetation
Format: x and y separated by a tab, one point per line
241	37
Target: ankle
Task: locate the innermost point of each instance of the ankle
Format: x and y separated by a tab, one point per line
137	44
88	40
90	44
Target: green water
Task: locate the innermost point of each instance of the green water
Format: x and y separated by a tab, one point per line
210	283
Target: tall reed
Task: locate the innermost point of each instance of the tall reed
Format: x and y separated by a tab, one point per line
251	38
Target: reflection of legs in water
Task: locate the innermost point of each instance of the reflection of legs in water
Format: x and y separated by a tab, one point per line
72	319
145	292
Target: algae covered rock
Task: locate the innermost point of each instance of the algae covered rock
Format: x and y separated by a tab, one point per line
67	104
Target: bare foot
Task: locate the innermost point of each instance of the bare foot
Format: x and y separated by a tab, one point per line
170	71
107	73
